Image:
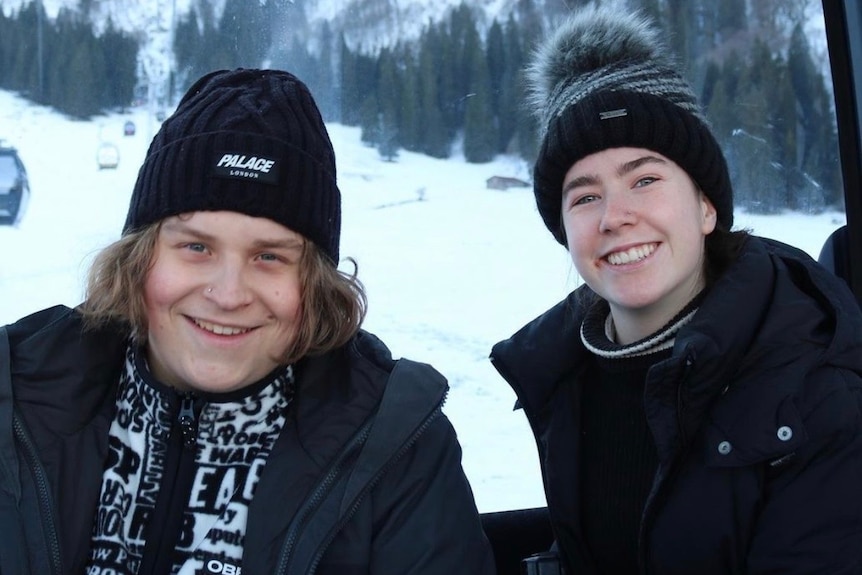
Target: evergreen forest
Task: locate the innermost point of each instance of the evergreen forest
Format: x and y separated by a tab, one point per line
64	64
458	87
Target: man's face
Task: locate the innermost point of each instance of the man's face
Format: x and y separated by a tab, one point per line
223	300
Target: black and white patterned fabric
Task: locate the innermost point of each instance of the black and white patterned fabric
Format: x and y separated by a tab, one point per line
232	444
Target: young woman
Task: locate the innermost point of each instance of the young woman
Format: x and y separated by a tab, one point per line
697	404
213	407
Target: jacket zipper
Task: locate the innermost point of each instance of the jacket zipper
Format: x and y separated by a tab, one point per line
370	485
50	527
188	421
322	488
153	555
689	366
662	480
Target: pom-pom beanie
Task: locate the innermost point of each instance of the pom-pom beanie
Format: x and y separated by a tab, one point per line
605	80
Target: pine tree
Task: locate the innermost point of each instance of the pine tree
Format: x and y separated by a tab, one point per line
388	98
449	88
730	16
369	122
323	84
480	130
349	93
409	124
496	61
84	65
681	25
803	79
436	141
817	126
530	20
120	54
782	120
752	138
188	47
7	29
511	112
366	95
24	77
249	30
652	10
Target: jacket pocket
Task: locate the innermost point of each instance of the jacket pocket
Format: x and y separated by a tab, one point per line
753	434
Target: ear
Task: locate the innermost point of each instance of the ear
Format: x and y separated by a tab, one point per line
709	215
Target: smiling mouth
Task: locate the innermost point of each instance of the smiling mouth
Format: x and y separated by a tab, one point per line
631	255
220	329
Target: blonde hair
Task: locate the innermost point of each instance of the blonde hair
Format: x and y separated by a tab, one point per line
333	307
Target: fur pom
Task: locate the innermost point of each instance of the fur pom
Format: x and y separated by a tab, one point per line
591	39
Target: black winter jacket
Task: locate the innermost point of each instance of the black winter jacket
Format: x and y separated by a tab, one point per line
358	482
757	420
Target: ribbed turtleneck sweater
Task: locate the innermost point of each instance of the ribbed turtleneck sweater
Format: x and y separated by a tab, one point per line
618	459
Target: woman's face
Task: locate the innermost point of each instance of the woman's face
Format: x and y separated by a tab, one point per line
635	224
223	300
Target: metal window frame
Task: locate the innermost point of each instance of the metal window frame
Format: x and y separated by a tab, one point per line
843	19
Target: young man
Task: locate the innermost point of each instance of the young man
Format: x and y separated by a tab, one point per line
213	406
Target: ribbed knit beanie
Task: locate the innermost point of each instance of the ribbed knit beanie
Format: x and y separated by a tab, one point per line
249	141
605	80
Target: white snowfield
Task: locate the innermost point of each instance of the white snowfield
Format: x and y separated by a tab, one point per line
450	266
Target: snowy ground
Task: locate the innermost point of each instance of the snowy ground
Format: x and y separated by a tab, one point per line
450	267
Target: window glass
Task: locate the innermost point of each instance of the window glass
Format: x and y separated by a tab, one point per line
434	153
8	171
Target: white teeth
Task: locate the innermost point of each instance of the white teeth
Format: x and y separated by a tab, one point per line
219	329
631	255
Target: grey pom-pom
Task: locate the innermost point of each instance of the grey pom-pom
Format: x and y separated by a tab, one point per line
592	39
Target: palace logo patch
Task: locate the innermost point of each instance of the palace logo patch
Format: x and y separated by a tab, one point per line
248	167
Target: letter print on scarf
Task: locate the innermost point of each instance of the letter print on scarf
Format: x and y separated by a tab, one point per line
233	441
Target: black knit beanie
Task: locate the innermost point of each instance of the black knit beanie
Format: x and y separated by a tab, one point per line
248	141
605	80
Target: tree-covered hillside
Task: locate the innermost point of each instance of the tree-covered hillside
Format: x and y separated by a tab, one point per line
64	64
458	85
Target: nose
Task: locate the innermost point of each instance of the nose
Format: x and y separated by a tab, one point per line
228	287
618	211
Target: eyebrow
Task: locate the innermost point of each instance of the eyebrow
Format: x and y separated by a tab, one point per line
622	170
287	244
182	228
632	165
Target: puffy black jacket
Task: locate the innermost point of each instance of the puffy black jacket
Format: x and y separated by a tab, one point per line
365	477
757	419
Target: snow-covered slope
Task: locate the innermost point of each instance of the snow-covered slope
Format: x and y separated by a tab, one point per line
450	266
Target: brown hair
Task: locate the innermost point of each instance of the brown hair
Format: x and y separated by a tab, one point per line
722	247
333	302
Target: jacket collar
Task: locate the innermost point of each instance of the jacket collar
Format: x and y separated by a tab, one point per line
535	359
773	305
55	362
335	394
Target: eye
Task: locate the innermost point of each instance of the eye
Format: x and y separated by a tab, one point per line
195	247
581	200
285	258
645	181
